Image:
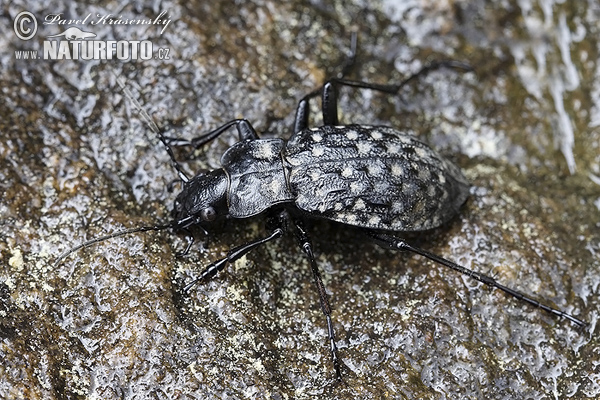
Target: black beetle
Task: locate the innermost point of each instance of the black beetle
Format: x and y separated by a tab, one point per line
372	177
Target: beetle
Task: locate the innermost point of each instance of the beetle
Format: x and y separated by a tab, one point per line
375	178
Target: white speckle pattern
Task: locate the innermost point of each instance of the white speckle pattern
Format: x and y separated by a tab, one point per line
274	186
314	175
372	177
424	174
257	177
375	169
264	150
360	205
393	148
356	187
398	207
397	170
363	147
347	172
318	151
421	153
374	220
376	134
348	218
352	134
431	191
381	186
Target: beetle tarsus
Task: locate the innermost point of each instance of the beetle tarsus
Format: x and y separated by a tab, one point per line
401	244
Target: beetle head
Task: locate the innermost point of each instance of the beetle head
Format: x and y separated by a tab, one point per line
202	199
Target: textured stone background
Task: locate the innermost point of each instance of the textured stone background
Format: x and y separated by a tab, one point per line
77	162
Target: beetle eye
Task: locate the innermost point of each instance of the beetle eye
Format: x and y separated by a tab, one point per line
208	214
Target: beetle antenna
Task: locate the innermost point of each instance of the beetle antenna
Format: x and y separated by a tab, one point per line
106	237
152	125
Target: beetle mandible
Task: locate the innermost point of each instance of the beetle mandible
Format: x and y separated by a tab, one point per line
371	177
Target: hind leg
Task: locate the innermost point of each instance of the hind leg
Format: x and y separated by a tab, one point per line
400	244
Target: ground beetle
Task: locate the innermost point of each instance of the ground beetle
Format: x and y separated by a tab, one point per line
371	177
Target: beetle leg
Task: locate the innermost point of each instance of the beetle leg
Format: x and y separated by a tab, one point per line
329	92
302	112
351	57
190	242
394	89
244	127
401	244
330	115
233	255
329	106
307	247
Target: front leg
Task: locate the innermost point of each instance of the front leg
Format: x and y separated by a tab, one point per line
244	128
235	254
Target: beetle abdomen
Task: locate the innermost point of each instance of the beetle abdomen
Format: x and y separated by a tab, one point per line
373	177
